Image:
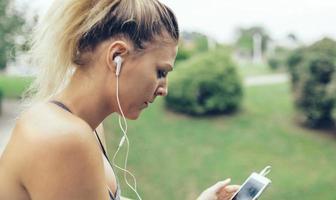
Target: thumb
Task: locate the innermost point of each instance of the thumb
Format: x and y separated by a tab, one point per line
220	184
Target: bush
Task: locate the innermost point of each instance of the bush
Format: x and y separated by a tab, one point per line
313	75
183	54
205	85
314	97
274	63
293	61
278	58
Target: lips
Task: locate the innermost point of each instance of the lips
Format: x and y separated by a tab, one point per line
148	102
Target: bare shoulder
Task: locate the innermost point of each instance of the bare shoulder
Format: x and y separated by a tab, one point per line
60	154
46	129
49	119
43	126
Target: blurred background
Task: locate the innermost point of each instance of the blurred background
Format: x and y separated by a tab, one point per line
254	84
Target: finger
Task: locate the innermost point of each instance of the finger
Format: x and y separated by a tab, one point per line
228	190
221	184
230	196
224	196
232	188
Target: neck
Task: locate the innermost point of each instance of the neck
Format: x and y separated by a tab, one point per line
85	97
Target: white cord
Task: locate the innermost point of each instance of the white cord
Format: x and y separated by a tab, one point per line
123	139
265	171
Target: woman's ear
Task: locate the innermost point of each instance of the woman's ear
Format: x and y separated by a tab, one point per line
116	48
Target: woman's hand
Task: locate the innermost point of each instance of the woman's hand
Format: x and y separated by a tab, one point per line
220	191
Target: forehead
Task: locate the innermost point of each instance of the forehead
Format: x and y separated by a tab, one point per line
166	50
162	50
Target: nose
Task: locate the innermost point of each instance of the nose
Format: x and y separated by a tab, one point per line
162	91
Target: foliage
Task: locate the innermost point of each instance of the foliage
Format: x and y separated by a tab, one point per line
183	54
278	59
245	39
192	43
313	76
199	40
206	84
11	27
293	61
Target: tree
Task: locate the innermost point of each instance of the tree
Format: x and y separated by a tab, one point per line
192	43
244	40
293	37
11	26
197	41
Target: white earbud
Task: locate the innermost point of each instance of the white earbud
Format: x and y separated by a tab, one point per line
118	61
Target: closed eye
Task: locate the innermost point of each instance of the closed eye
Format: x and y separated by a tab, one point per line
162	73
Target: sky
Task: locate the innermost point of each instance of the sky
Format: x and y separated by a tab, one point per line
309	20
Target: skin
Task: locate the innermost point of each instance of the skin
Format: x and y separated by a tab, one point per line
53	154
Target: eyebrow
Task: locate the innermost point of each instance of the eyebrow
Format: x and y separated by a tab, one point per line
169	66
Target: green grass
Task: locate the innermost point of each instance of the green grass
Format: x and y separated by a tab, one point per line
13	86
250	69
177	157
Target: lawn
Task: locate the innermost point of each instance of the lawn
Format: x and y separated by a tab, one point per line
13	86
176	157
250	69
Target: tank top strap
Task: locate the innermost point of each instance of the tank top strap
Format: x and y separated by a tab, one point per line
60	104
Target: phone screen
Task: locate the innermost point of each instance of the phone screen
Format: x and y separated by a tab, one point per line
249	190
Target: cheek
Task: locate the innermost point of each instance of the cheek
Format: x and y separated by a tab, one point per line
148	83
150	86
142	90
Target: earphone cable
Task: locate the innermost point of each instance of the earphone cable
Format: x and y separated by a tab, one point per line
124	138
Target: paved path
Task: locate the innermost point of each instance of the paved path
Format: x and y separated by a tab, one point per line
266	79
7	121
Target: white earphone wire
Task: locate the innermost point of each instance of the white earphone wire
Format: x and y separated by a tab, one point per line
124	138
265	171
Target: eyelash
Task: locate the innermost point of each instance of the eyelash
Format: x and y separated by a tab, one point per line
161	74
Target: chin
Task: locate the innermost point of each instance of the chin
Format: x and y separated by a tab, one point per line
132	116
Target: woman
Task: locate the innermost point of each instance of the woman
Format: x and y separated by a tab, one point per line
84	48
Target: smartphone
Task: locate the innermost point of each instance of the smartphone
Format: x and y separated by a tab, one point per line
252	188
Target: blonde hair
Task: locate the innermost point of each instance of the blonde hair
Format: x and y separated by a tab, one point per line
72	27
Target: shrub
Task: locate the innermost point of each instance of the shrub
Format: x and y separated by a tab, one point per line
293	61
314	97
313	75
183	54
274	62
205	85
278	58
